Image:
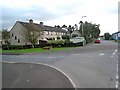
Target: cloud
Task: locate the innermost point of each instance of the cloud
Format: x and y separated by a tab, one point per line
53	12
11	15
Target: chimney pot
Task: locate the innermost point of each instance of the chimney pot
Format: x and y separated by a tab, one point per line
41	23
31	21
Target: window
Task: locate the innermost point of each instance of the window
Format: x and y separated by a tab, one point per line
51	33
15	37
18	40
12	35
46	32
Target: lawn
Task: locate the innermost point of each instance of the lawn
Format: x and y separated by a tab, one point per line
36	50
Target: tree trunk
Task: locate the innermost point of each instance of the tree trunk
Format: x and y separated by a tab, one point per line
33	46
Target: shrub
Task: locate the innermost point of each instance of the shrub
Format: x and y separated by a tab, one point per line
11	47
67	41
58	38
56	42
49	39
66	37
53	38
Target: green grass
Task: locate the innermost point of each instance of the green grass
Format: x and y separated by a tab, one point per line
36	50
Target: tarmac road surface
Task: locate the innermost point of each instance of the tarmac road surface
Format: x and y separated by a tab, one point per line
24	75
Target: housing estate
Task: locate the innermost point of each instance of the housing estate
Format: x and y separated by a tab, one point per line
18	36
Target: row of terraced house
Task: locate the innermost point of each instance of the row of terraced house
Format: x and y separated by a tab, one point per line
18	37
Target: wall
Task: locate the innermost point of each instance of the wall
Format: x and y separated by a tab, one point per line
18	30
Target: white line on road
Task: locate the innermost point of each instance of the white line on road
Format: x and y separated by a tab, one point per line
51	67
114	53
101	54
76	54
96	44
54	57
117	76
117	84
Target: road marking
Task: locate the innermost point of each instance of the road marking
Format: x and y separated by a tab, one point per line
76	54
48	66
96	44
117	84
114	53
117	76
101	54
54	57
28	80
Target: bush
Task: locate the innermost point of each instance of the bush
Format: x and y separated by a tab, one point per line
67	41
49	39
66	37
53	38
56	42
11	47
58	38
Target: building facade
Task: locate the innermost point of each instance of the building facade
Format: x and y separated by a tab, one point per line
116	36
18	36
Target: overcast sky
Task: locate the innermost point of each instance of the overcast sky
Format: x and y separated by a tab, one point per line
59	12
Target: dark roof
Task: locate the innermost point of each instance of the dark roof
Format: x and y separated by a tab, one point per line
35	26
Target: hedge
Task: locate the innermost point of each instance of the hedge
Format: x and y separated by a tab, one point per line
11	47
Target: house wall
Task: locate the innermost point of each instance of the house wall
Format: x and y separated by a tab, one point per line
53	34
18	31
76	32
116	36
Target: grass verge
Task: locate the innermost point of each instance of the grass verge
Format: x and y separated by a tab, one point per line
33	50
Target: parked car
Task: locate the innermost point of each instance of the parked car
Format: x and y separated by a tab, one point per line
97	40
78	40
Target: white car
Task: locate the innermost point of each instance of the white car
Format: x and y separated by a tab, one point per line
78	40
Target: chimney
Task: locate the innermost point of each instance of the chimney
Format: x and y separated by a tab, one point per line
30	21
41	23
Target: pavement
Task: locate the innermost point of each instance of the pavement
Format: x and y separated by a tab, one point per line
91	66
21	75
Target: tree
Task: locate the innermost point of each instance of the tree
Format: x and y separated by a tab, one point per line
66	37
107	36
64	26
89	31
96	31
75	27
6	37
58	26
70	29
33	34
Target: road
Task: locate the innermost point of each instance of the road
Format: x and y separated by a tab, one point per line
91	66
